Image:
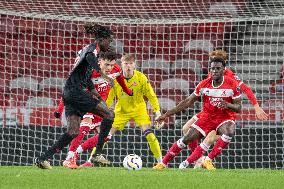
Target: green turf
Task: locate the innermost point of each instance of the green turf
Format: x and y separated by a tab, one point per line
58	177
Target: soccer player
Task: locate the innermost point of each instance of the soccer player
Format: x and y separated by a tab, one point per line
212	137
221	99
131	107
91	122
80	96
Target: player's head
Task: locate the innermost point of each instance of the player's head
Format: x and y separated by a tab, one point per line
219	53
107	61
128	65
217	66
103	35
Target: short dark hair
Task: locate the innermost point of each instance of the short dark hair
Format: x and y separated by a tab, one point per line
218	59
99	31
108	55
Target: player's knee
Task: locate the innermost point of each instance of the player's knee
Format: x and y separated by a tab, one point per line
150	136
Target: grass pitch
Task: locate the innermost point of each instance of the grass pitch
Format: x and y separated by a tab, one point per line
31	177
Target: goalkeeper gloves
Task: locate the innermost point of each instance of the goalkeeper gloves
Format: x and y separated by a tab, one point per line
158	125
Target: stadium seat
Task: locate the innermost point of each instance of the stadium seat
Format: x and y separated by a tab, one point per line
155	76
174	94
118	45
157	63
203	44
277	87
40	102
52	82
274	104
186	74
183	64
177	83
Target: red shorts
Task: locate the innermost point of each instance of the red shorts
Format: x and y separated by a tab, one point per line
96	121
205	124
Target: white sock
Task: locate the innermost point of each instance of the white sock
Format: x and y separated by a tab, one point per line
159	160
207	158
79	149
70	155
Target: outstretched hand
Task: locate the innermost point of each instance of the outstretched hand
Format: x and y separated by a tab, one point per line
160	119
260	114
158	125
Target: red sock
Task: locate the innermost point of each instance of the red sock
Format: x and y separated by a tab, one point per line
78	139
221	144
173	151
197	153
192	145
90	143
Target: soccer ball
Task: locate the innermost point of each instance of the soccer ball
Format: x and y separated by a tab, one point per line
132	162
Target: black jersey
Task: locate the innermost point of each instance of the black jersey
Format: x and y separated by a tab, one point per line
85	63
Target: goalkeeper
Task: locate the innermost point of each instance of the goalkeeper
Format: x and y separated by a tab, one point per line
132	107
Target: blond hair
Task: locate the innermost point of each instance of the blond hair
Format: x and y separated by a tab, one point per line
219	53
128	58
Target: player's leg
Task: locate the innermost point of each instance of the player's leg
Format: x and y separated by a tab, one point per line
193	144
85	126
91	143
153	142
226	130
108	116
192	134
73	123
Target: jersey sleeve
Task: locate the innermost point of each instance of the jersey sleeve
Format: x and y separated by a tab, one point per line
150	94
249	93
198	88
121	81
111	96
236	91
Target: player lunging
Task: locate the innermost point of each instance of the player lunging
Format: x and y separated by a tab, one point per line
212	137
132	107
80	96
221	99
91	122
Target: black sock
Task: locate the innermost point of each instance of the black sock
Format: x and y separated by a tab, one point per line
63	141
104	130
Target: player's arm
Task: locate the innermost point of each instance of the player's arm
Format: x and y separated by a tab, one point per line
58	111
110	97
235	106
148	91
249	93
121	82
189	101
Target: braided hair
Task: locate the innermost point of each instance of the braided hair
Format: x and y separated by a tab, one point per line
100	32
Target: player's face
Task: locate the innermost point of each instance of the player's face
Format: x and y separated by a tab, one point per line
107	65
217	70
105	43
128	68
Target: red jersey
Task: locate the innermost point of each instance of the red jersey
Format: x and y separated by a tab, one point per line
211	96
101	85
244	88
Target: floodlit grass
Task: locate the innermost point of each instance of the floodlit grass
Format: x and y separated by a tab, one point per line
59	177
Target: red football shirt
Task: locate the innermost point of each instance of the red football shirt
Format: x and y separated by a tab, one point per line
211	96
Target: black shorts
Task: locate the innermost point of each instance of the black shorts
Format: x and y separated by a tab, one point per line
78	102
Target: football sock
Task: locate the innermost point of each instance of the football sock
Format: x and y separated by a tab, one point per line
90	143
197	153
84	129
173	151
63	141
104	130
154	144
221	144
192	145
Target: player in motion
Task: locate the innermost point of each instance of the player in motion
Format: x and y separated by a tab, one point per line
91	122
221	99
80	96
131	107
212	136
